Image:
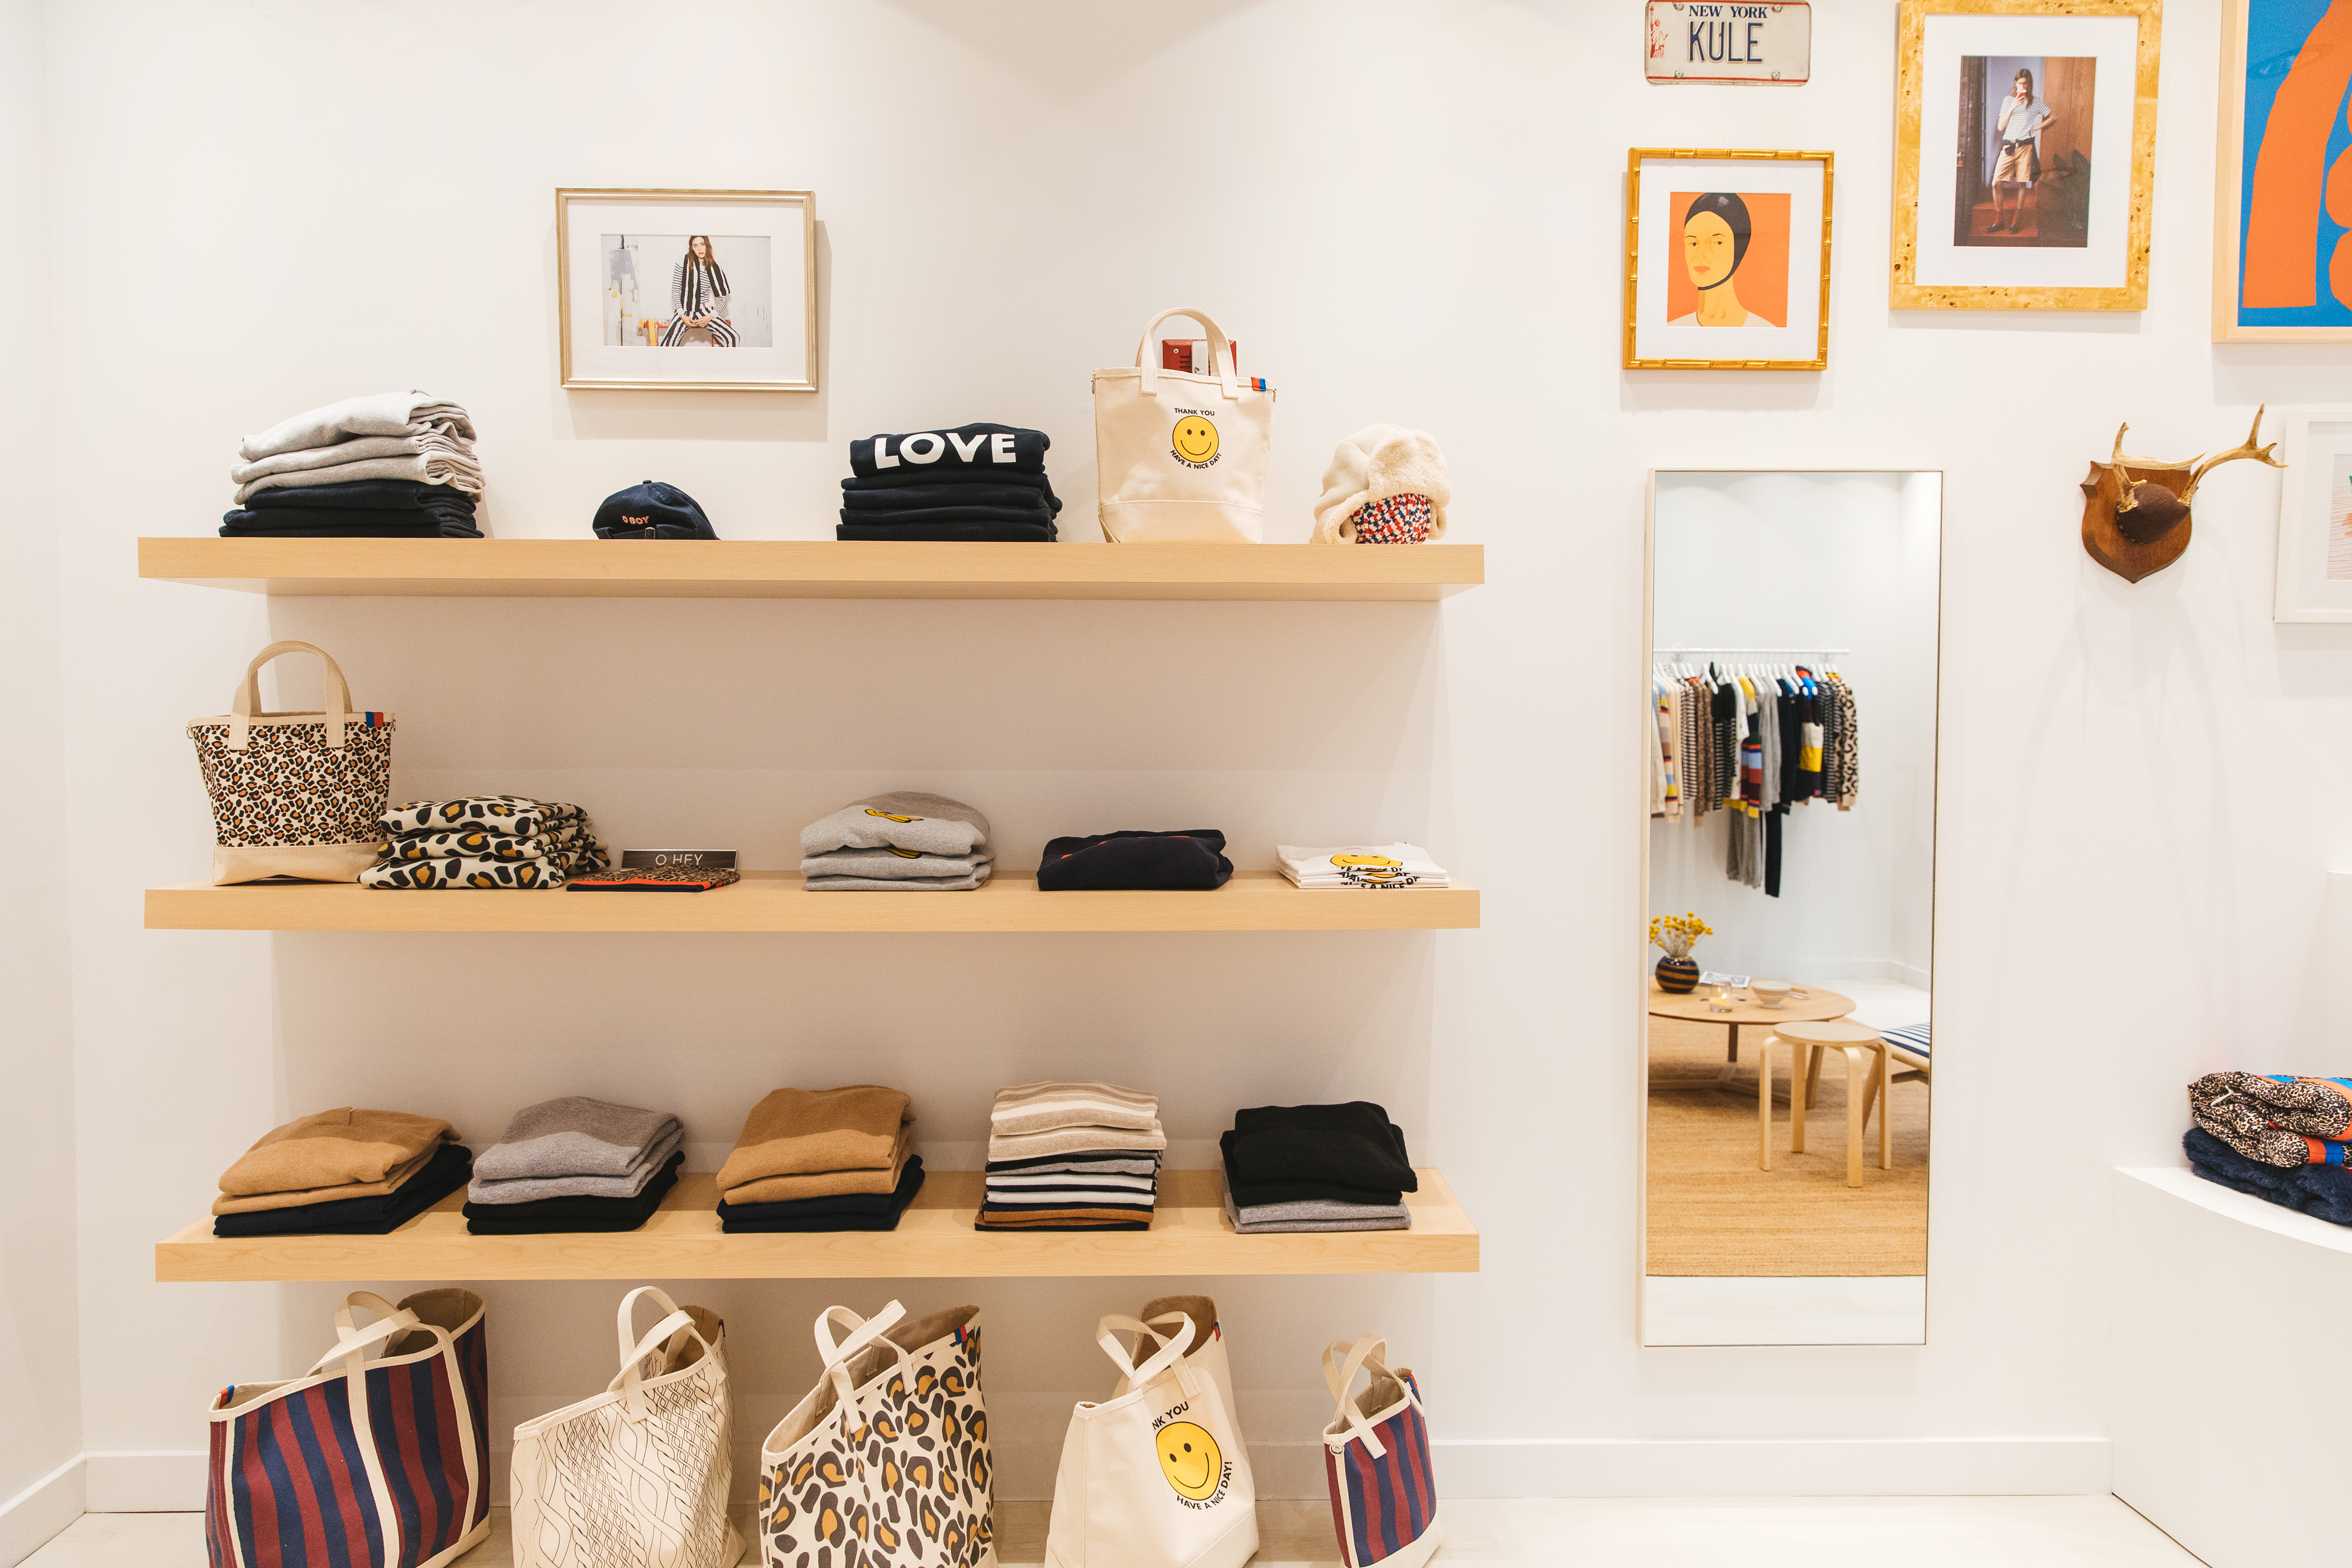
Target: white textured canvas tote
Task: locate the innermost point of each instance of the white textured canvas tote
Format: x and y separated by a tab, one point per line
1181	457
1155	1477
886	1463
637	1477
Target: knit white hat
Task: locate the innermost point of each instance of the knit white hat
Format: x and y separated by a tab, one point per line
1375	463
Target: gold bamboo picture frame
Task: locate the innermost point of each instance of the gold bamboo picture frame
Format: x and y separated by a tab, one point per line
2033	222
1731	235
686	290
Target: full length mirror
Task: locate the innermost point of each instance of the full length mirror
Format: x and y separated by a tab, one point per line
1790	894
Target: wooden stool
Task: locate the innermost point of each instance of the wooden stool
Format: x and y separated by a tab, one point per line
1862	1085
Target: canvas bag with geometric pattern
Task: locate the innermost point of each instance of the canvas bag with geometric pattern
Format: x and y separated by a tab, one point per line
295	795
378	1457
1376	1458
636	1477
886	1463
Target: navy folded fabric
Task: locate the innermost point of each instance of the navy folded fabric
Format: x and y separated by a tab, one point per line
2324	1192
1192	859
1037	503
544	1217
1001	532
909	1184
451	1167
1350	1154
919	479
329	524
363	495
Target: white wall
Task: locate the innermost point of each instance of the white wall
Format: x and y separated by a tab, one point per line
1819	561
1409	214
40	1392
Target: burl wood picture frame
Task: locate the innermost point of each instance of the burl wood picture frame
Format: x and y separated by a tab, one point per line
2072	234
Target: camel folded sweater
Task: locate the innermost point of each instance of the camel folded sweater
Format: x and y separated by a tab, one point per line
348	1147
800	1131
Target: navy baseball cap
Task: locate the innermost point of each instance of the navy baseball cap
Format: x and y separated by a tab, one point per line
652	510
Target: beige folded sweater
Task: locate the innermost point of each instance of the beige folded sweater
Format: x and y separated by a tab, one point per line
825	1183
302	1197
348	1146
799	1131
1055	1104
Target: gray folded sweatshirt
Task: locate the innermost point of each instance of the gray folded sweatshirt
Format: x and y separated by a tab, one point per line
627	1184
908	819
1273	1219
894	865
899	884
574	1136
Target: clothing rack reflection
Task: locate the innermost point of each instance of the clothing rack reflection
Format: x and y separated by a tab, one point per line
1751	737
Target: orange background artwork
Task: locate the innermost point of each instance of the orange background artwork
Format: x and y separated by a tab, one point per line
1762	279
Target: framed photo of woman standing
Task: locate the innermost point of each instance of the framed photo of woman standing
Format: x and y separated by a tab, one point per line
1727	260
687	290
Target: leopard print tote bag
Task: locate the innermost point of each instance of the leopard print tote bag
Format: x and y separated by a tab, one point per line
886	1463
295	795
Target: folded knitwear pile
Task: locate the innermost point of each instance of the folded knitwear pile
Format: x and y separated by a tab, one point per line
1191	860
2282	1138
974	482
1072	1156
395	465
347	1171
1361	866
1316	1167
575	1163
485	841
823	1158
905	842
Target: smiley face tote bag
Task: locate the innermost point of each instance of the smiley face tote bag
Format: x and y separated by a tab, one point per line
637	1477
1181	457
1156	1476
294	794
378	1457
1376	1458
886	1463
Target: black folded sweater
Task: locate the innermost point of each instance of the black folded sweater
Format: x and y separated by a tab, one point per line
967	448
1350	1154
543	1216
733	1221
363	495
1002	531
1192	860
451	1167
1041	502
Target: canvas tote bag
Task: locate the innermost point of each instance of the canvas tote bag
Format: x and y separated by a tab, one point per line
1155	1477
295	795
1376	1456
637	1477
378	1457
1181	457
886	1463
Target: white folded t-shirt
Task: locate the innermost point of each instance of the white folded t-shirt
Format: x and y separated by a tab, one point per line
1361	866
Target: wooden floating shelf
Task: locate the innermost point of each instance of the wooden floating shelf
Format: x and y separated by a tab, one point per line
811	569
775	901
935	1239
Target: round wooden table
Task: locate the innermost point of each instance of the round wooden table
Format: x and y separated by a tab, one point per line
1818	1005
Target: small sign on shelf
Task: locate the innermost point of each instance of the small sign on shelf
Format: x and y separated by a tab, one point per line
1729	41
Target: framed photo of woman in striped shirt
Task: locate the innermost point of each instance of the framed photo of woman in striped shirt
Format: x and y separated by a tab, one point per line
694	290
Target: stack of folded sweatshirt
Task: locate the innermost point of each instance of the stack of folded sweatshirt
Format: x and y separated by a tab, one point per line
1072	1156
396	465
347	1171
974	482
1192	860
826	1159
905	842
485	841
2282	1138
1361	866
575	1163
1316	1167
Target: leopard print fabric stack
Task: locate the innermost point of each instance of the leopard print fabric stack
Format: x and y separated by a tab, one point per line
485	841
2278	1121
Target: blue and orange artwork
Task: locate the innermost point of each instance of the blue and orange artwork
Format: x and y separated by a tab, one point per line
2295	199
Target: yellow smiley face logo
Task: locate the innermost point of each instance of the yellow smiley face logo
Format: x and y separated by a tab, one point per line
1380	862
1195	439
1189	1457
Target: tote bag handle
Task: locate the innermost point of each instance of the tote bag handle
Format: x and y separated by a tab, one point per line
247	700
1364	1353
629	1383
1148	362
1134	1374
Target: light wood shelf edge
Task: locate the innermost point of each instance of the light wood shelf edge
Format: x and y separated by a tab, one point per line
812	569
935	1240
776	901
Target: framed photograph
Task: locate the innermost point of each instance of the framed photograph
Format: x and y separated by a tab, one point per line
2282	264
2045	112
1727	260
2314	535
689	290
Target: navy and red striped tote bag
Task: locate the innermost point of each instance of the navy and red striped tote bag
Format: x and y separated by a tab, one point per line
1376	1456
378	1457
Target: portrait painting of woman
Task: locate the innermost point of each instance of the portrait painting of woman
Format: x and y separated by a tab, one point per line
1750	254
1717	233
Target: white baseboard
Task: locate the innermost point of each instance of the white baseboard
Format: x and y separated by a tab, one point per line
30	1518
167	1481
1917	1467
